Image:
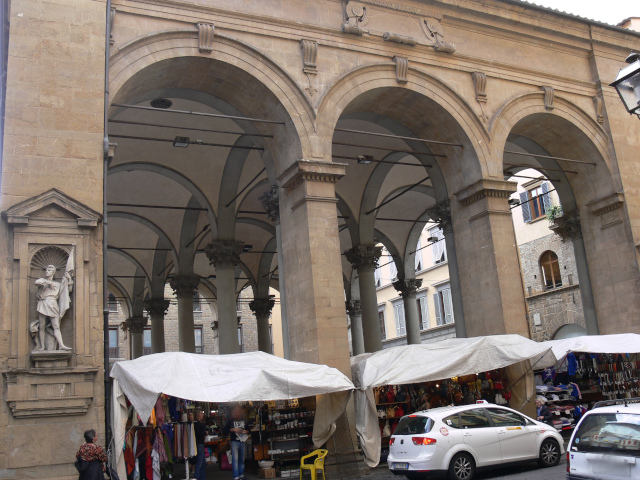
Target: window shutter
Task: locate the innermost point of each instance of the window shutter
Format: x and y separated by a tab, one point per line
436	301
393	270
443	245
546	198
376	275
448	310
438	247
526	212
418	256
425	312
400	325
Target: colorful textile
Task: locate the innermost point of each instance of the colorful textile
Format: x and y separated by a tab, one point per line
90	452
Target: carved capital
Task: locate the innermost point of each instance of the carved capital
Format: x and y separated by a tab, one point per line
261	307
136	324
485	188
224	253
311	171
440	213
606	204
407	287
184	285
402	68
567	226
271	203
364	257
480	86
548	97
205	37
156	306
309	55
354	308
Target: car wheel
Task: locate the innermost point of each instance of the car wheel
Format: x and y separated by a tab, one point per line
462	467
549	453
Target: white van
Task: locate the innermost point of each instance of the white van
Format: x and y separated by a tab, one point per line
606	444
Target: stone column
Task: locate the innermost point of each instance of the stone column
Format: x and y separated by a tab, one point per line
271	203
225	256
364	259
185	286
568	227
441	214
136	325
488	259
407	289
355	315
313	281
261	308
157	308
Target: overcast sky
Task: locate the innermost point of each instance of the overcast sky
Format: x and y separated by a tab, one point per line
608	11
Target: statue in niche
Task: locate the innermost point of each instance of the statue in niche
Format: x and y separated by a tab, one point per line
53	298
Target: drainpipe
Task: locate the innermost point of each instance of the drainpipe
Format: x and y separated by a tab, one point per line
105	287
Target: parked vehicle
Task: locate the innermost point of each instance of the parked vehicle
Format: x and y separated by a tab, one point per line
454	442
606	443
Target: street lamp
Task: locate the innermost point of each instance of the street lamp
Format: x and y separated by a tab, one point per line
627	84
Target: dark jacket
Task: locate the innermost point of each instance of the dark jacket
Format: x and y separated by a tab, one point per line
200	431
546	413
91	458
231	423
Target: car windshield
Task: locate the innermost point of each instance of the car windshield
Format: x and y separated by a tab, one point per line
616	433
413	425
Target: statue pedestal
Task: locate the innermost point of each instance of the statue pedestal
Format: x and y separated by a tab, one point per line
51	358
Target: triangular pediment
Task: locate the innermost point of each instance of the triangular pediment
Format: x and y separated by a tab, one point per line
52	204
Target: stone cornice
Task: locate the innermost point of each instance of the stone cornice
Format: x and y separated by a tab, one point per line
312	171
486	188
606	204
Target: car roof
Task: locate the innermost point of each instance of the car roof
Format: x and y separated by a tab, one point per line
629	408
442	411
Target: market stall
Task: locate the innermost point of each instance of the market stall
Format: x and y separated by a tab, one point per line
584	370
458	371
225	379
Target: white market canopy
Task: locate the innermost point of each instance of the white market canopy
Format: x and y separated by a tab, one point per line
612	344
254	376
435	361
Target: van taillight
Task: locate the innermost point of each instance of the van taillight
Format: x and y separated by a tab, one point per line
568	462
423	441
391	440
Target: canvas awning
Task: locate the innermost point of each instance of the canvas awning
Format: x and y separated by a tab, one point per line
409	364
612	344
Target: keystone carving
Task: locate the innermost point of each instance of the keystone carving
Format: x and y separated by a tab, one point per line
136	324
548	97
309	55
205	37
271	203
407	287
354	308
184	285
224	253
598	105
363	257
261	307
567	226
402	67
440	213
156	306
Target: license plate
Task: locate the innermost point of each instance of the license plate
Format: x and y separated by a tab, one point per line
401	466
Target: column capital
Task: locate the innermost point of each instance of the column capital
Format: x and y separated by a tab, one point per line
363	257
184	285
440	213
224	253
136	324
407	287
261	307
156	306
271	203
312	171
485	188
567	226
354	308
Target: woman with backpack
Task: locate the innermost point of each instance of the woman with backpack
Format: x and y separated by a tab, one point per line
91	458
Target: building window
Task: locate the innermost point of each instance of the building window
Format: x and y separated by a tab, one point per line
199	343
383	325
197	306
419	256
535	202
423	312
114	351
240	338
444	308
550	270
377	275
113	303
146	341
401	326
438	250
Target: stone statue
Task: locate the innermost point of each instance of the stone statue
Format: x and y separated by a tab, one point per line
53	302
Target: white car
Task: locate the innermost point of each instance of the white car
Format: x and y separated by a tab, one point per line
606	444
455	441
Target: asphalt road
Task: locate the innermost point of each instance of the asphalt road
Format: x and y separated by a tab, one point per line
520	472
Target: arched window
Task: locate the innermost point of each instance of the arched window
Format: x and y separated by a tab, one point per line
550	270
